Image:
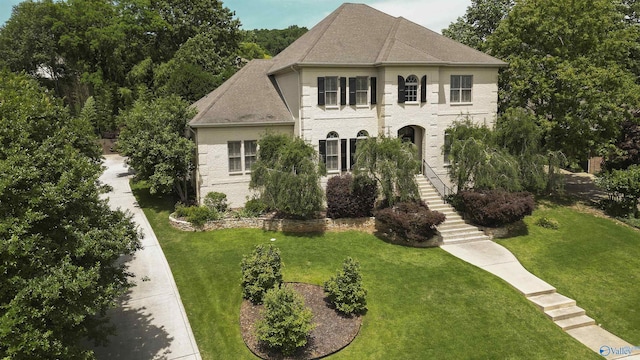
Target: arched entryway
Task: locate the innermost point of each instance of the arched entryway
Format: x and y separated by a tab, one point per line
415	135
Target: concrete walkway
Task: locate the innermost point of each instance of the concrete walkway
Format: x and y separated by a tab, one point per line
496	259
151	321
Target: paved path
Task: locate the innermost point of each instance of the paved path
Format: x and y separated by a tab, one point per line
499	261
151	321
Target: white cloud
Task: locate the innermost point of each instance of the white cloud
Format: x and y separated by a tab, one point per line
433	14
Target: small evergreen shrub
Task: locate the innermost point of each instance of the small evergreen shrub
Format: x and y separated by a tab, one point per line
199	215
495	208
286	322
349	197
345	290
217	201
548	223
256	207
412	221
181	210
261	271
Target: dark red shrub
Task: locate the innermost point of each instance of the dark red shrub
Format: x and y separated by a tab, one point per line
496	207
412	221
350	198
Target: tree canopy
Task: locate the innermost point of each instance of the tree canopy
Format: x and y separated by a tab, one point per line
58	241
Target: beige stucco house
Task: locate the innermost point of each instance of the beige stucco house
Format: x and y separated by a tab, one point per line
357	73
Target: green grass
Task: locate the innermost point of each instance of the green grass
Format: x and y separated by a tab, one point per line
590	259
423	303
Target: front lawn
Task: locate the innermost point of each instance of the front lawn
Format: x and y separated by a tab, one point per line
423	303
591	259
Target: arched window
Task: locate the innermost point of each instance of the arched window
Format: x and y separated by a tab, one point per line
363	134
411	88
333	151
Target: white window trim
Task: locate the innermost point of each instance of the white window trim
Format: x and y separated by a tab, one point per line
460	89
242	156
337	92
366	91
333	139
417	92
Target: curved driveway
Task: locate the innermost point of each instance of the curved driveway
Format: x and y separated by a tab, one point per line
151	322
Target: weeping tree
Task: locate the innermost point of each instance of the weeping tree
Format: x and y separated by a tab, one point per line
287	175
392	164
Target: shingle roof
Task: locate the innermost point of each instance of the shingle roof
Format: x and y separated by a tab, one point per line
356	34
248	97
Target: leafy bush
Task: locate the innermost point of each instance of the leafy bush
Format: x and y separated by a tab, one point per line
196	215
548	223
286	322
496	207
623	186
217	201
412	221
350	198
345	290
261	271
256	207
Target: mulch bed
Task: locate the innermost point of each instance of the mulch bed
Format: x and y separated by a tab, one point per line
332	331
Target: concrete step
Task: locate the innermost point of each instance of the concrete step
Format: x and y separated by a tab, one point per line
552	301
565	313
451	222
575	322
464	230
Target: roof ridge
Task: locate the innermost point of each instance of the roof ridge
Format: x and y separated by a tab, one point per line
335	13
388	44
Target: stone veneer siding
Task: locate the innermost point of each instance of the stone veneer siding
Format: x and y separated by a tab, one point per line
285	225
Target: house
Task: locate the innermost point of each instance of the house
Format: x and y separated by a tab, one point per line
357	73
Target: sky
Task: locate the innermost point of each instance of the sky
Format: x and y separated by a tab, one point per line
279	14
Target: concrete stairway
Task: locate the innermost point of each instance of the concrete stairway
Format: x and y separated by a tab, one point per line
470	244
453	230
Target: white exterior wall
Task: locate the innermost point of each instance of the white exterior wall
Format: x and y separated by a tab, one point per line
213	163
289	84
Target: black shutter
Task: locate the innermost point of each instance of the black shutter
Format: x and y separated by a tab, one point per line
423	89
352	91
322	150
343	91
374	91
343	154
320	91
400	90
352	148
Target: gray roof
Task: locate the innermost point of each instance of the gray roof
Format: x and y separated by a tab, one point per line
249	97
356	34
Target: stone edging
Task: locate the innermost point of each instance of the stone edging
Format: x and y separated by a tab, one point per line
285	225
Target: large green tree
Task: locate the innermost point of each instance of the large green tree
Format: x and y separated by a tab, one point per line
568	64
479	21
153	139
58	241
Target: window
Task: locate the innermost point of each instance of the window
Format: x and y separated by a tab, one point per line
250	151
331	91
361	90
447	147
333	154
235	156
353	144
362	134
411	88
461	86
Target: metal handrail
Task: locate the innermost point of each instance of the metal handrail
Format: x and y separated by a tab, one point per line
435	180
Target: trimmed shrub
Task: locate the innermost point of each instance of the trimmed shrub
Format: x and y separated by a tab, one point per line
350	198
261	271
345	290
548	223
495	208
256	207
217	201
196	215
286	322
412	221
